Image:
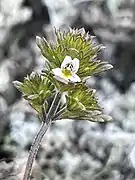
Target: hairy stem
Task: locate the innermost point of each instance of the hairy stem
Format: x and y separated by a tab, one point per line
37	140
34	149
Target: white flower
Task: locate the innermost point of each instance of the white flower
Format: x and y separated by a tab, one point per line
68	70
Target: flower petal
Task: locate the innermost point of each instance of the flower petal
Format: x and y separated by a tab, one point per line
75	63
61	79
59	76
75	78
66	60
57	71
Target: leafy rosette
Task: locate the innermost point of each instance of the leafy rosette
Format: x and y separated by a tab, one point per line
73	45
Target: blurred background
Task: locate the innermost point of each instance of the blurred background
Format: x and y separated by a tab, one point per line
71	150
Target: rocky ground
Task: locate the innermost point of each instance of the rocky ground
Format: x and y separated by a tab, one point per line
71	150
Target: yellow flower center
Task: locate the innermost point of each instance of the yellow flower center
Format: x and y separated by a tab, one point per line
66	73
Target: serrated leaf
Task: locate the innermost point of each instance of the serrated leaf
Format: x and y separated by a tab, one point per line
82	104
36	89
90	116
81	98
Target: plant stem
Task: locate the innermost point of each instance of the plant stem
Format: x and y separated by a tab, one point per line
34	149
37	140
59	113
54	106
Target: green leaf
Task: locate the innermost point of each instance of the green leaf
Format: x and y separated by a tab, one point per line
94	116
80	96
83	105
36	89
